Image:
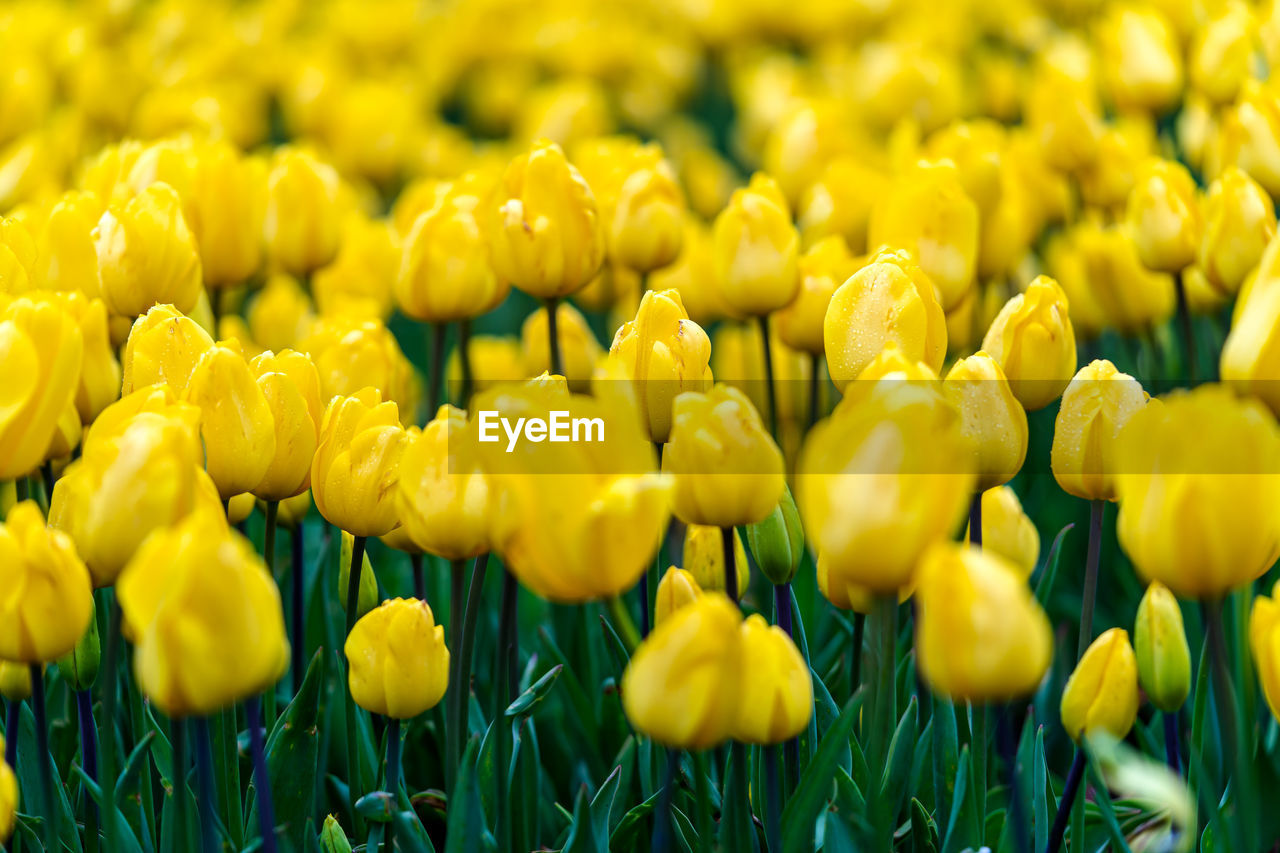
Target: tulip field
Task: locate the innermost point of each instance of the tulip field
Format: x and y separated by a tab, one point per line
443	426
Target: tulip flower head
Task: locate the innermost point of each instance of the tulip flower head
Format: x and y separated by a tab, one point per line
994	420
1095	407
1160	645
1007	530
1264	643
1102	692
776	686
303	219
1163	215
291	386
756	249
703	556
445	274
580	352
164	346
1033	341
823	268
397	659
676	589
357	463
442	496
1239	223
237	425
8	797
146	254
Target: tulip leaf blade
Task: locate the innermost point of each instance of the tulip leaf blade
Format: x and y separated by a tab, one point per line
624	834
924	832
897	768
411	835
946	754
1039	791
28	778
293	756
800	815
963	821
466	823
376	806
582	834
1044	585
525	703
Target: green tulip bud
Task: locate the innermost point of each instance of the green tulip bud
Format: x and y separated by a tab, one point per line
778	542
1160	643
79	667
368	598
332	838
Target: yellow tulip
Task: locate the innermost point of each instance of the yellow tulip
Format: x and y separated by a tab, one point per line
357	463
846	595
293	510
1164	217
494	360
839	202
1095	407
928	213
703	557
1250	358
1033	341
204	616
1190	467
776	687
1222	53
579	350
693	275
1160	643
980	634
443	495
676	589
146	254
1007	530
49	600
358	283
737	359
890	300
236	424
444	274
727	470
66	257
397	659
823	269
682	686
303	218
1125	294
41	354
281	316
1239	222
163	346
100	375
756	248
353	354
291	386
17	256
15	682
8	797
1102	692
544	231
994	420
646	229
1140	58
156	399
239	508
1062	109
1264	643
666	354
224	205
1249	136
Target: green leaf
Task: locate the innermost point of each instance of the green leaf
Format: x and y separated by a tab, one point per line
411	836
582	836
28	772
897	769
736	829
467	826
1040	793
1044	585
800	815
924	834
624	836
529	699
946	754
377	806
962	825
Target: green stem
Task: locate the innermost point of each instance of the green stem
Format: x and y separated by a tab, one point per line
1090	594
110	659
1188	332
815	388
454	706
261	778
393	776
884	615
474	596
702	795
43	758
354	781
435	370
178	736
773	799
664	826
855	665
770	390
553	338
1234	742
419	576
204	781
297	592
622	621
89	760
269	556
504	694
730	564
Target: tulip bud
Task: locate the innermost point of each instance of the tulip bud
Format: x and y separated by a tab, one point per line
100	375
1160	642
994	420
847	595
293	510
163	347
333	838
839	202
646	229
236	422
398	662
1249	355
79	667
1034	343
1007	530
776	686
1250	135
65	256
727	469
703	556
291	386
823	269
8	796
756	248
495	360
544	231
1102	692
666	353
280	317
357	463
41	351
1264	642
579	349
980	634
1095	407
1206	449
1240	220
693	275
15	682
1222	53
443	498
445	275
676	589
303	219
1141	59
1128	296
52	600
354	354
928	214
225	204
1163	216
146	254
777	542
358	283
890	300
681	687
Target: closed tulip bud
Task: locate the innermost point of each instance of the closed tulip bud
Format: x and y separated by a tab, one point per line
357	463
839	202
239	508
544	231
303	220
358	284
281	316
15	682
929	214
1034	343
980	634
1163	216
693	275
1250	135
1095	407
367	597
666	353
1239	222
494	360
1160	642
1141	60
676	589
17	256
99	368
41	353
647	228
291	386
65	256
204	616
1222	53
994	420
50	601
236	424
443	497
131	480
580	352
146	254
1250	359
156	399
333	838
823	269
8	797
890	300
846	595
777	542
1007	530
727	469
1264	643
293	510
1124	293
756	249
399	665
163	347
1213	451
1102	692
79	667
682	686
703	556
354	354
225	204
444	274
776	687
